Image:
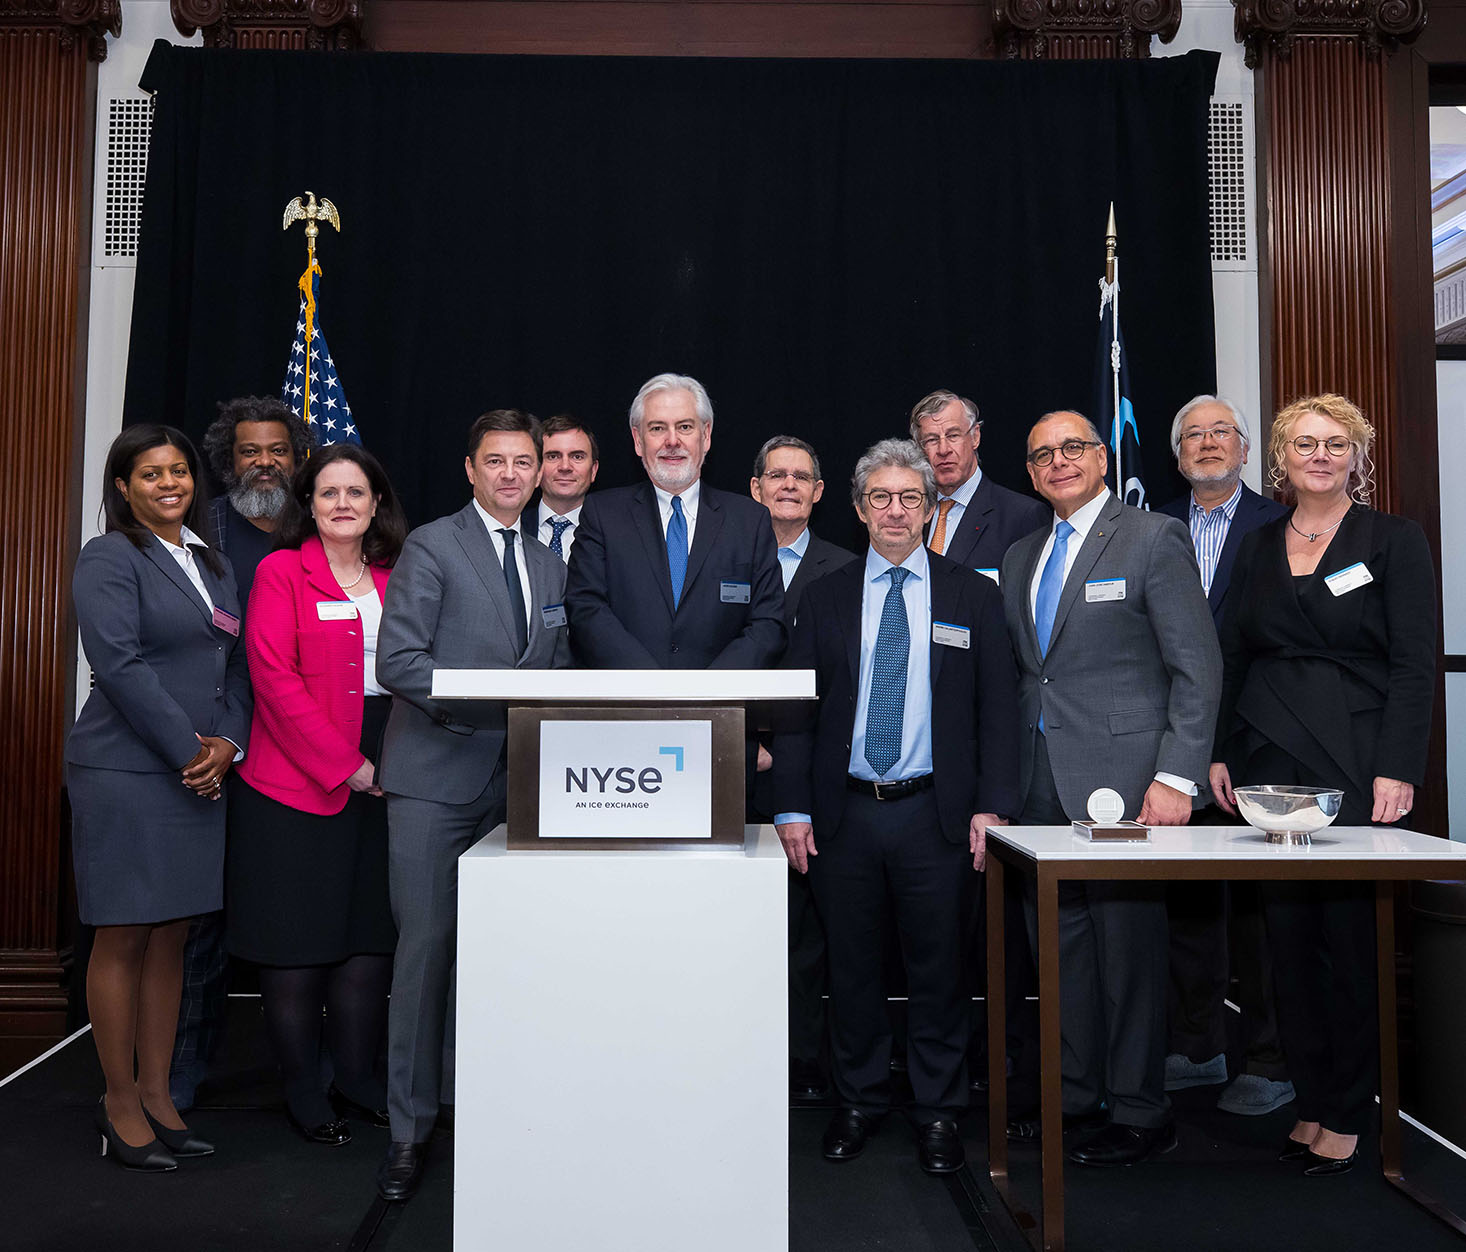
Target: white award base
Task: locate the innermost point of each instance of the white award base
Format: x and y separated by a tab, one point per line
622	1049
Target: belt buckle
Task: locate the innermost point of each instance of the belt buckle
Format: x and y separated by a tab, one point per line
878	784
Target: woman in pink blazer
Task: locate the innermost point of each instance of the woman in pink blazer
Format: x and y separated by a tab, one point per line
307	860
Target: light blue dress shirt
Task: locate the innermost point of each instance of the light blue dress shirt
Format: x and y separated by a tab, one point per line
790	557
960	499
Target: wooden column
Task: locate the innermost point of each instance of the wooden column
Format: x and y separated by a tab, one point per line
284	24
1082	29
47	103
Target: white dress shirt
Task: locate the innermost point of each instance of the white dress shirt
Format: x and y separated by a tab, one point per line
369	611
187	563
546	532
494	526
690	496
960	499
1083	519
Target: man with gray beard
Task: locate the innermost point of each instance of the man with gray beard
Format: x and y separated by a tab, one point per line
253	447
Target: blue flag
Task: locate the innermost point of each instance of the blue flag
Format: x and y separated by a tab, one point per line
1113	413
312	388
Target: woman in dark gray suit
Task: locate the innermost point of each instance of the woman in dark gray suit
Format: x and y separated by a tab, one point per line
168	716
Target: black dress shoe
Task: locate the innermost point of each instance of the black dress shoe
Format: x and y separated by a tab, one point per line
939	1147
401	1171
1292	1150
1027	1129
807	1081
846	1134
344	1107
179	1142
1327	1166
1118	1144
332	1134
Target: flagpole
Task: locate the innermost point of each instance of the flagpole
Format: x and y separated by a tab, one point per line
1112	278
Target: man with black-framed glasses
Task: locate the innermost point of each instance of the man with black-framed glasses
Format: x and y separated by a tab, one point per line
1216	928
1119	682
975	521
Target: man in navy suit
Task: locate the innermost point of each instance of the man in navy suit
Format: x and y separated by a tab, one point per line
670	574
886	791
1211	441
786	481
976	521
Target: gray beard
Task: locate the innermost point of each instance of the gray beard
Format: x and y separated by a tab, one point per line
1213	478
258	501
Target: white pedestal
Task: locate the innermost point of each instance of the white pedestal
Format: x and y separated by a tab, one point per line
622	1053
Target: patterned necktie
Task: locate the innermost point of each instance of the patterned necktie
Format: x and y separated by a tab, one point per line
1050	584
677	549
939	536
559	525
886	711
516	594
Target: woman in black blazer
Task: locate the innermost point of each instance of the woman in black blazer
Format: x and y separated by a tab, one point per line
165	721
1329	652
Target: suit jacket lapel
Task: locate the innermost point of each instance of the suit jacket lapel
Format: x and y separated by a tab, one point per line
1028	637
535	555
317	570
974	518
709	526
647	515
1095	542
173	571
851	605
1247	506
474	539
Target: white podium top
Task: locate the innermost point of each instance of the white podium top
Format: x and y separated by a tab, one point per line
1240	844
619	686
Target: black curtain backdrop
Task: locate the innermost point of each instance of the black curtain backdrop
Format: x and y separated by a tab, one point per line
820	242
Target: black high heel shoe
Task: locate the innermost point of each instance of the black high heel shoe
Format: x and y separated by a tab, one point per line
1328	1166
151	1158
344	1106
181	1143
1293	1150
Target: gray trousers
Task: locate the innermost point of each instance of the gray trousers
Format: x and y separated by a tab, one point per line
425	838
1113	971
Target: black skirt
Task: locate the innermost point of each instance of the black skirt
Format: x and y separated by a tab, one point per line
307	889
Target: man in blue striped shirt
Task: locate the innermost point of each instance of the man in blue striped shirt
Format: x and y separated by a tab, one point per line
1211	441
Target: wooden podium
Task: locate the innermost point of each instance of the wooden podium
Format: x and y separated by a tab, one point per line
622	1012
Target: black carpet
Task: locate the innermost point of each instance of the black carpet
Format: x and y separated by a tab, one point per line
267	1189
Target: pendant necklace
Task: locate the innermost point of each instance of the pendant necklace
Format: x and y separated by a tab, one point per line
1317	534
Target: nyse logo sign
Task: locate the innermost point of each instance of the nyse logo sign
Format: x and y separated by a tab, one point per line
629	780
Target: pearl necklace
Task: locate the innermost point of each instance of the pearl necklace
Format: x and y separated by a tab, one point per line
360	574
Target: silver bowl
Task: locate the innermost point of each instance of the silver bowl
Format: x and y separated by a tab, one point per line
1288	814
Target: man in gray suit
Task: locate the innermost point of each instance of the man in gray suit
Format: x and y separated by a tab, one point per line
470	591
1120	676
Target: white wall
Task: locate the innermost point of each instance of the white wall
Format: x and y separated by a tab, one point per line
1450	386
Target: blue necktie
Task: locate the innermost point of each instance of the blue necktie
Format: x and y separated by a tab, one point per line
677	549
1050	585
886	711
559	525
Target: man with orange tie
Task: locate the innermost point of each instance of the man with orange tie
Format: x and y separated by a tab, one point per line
976	520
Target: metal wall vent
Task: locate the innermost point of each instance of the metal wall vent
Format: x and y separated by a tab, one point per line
129	125
1229	165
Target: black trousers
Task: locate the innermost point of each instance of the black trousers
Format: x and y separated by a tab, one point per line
808	971
1218	943
888	861
1112	981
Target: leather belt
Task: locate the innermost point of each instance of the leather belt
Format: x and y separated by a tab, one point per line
888	790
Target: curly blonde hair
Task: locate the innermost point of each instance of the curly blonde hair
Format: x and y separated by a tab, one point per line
1345	412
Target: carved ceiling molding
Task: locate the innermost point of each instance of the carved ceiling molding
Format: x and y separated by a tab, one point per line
79	21
1043	28
1274	24
333	25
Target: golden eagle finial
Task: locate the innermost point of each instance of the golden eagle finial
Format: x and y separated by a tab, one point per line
311	211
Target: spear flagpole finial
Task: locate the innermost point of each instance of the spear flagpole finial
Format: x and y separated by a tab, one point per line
1112	243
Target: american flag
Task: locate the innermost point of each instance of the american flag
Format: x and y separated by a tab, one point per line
312	388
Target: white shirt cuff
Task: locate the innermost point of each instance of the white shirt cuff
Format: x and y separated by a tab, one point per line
1184	785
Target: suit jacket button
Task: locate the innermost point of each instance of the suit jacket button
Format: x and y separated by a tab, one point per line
1043	680
674	647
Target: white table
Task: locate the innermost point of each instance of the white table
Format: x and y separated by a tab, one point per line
622	1049
1052	854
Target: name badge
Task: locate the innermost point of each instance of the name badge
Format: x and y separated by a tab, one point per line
951	636
226	621
989	573
735	593
1349	579
335	610
1104	589
553	615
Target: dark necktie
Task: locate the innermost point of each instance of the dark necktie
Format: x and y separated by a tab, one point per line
516	594
677	549
886	710
559	525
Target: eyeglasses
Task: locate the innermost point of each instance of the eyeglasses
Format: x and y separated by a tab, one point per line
1307	445
927	442
882	499
1220	433
1072	449
802	477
